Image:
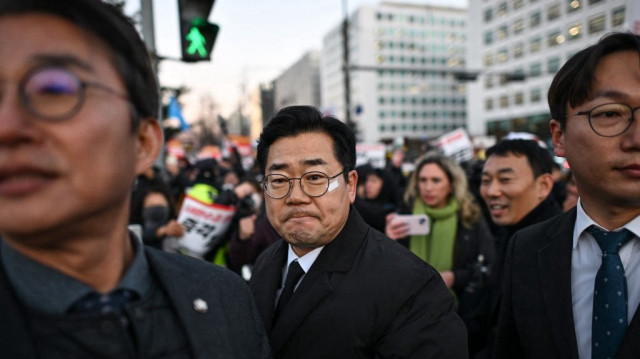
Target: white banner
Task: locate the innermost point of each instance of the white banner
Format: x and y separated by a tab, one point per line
202	223
371	153
457	145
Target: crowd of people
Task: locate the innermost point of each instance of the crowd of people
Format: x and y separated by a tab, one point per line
104	255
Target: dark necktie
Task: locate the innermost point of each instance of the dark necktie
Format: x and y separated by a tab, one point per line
96	303
293	275
609	321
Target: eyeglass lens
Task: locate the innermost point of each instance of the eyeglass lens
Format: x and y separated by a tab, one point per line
314	184
52	92
611	119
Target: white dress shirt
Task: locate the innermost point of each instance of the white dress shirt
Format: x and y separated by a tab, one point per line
305	262
586	258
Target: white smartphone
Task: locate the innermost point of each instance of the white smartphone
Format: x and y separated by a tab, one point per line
418	223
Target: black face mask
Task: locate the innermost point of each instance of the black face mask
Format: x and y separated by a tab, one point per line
155	216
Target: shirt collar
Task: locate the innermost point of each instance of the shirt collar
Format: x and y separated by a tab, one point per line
48	290
583	221
306	260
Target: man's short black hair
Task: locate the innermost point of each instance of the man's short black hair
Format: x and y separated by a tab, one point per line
539	159
572	84
296	120
114	28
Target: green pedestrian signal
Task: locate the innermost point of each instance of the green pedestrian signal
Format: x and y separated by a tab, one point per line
197	35
196	43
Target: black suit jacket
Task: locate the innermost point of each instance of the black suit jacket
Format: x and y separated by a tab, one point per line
536	315
365	296
231	328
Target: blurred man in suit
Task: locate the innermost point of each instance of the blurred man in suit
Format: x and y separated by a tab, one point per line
78	122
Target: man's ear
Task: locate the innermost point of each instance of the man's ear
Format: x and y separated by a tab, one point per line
352	184
544	184
148	143
557	137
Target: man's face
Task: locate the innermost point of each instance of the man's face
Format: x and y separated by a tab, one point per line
606	169
74	172
303	221
510	190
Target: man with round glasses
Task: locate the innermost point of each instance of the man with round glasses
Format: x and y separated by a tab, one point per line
334	287
572	283
78	122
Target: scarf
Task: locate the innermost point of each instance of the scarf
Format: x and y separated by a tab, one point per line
436	248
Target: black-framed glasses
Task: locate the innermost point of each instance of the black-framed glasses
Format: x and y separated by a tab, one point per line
314	184
56	93
609	119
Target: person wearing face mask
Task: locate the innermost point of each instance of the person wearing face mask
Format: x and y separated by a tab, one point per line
459	244
158	217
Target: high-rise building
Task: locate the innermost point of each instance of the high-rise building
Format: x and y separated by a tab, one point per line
531	39
299	84
402	59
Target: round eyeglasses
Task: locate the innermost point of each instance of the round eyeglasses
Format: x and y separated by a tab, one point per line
314	184
55	93
609	119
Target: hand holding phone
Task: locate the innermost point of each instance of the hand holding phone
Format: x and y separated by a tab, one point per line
417	224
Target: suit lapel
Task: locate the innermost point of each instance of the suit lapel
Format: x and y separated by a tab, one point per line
14	335
170	275
554	262
266	279
629	347
311	291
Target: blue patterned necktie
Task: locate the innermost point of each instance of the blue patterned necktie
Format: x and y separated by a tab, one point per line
609	321
95	303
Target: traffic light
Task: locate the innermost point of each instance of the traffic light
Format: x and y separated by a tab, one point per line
197	35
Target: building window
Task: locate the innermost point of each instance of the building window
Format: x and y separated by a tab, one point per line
593	2
518	4
518	50
502	55
502	9
488	82
535	69
518	99
573	5
504	101
553	65
488	14
536	95
488	59
575	31
535	45
535	20
503	31
596	24
555	38
553	12
617	16
518	26
488	38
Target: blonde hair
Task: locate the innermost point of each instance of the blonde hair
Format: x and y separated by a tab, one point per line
469	209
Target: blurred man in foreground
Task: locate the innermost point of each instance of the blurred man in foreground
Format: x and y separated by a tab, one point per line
78	122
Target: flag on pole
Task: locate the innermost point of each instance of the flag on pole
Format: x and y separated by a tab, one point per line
175	111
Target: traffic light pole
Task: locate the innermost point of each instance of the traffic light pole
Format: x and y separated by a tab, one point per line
148	33
345	66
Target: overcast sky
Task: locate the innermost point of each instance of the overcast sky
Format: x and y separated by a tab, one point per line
258	40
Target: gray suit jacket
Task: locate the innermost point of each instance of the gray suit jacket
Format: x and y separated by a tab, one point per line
536	315
231	328
365	296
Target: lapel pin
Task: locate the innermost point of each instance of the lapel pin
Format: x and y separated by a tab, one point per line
200	305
